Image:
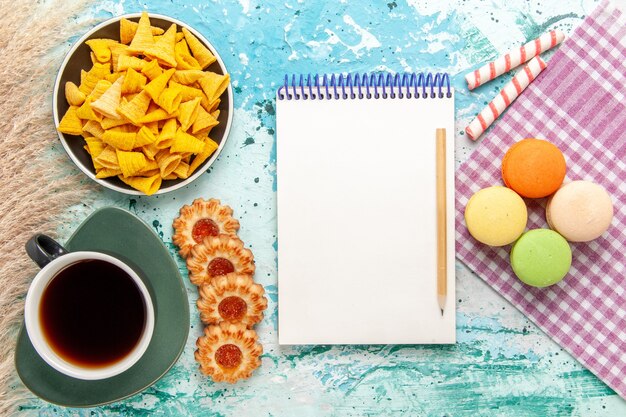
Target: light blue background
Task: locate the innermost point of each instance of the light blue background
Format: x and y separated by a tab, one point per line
502	364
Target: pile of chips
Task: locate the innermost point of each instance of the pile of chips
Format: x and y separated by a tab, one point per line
146	106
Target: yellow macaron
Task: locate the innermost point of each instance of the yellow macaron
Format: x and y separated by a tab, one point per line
496	216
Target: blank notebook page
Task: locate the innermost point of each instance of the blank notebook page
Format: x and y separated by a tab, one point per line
357	221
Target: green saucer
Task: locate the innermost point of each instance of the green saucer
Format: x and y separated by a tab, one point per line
121	234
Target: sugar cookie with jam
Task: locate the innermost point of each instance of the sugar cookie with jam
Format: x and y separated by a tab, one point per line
232	298
217	256
228	352
202	219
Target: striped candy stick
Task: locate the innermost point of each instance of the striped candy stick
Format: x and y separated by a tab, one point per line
513	58
507	95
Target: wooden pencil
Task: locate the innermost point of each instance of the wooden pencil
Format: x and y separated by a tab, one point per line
442	269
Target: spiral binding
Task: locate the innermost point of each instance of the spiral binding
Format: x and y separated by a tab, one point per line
365	86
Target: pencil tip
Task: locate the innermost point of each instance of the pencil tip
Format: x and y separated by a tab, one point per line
442	312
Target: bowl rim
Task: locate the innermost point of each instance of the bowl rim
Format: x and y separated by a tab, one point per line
89	172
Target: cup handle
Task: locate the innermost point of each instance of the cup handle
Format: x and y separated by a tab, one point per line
42	249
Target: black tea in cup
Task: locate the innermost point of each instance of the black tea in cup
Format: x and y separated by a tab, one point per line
92	313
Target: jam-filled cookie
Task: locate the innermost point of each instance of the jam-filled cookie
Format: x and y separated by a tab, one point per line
201	219
228	352
233	298
217	256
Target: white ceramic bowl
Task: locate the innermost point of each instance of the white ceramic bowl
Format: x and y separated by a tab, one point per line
78	58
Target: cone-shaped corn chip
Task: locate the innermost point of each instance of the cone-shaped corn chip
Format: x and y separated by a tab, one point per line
181	170
95	145
85	112
203	136
163	143
179	37
168	132
152	107
156	115
134	82
144	137
216	114
147	185
109	101
108	158
117	49
90	78
108	123
209	147
187	93
214	85
131	162
184	60
119	140
108	172
210	107
151	165
93	58
184	142
155	87
201	53
127	31
153	127
85	147
128	28
204	121
150	169
164	49
100	70
99	89
167	162
149	173
94	129
188	113
73	95
135	109
125	62
205	102
150	150
143	36
100	48
152	70
126	128
113	77
71	124
95	164
187	77
169	99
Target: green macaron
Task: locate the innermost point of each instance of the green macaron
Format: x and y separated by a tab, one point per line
541	257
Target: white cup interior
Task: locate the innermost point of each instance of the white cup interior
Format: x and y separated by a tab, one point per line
35	330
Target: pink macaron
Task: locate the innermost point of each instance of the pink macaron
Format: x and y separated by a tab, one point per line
580	211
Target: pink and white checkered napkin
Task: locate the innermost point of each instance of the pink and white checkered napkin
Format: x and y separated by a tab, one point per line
578	104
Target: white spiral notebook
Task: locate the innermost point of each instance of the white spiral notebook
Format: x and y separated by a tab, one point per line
357	209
